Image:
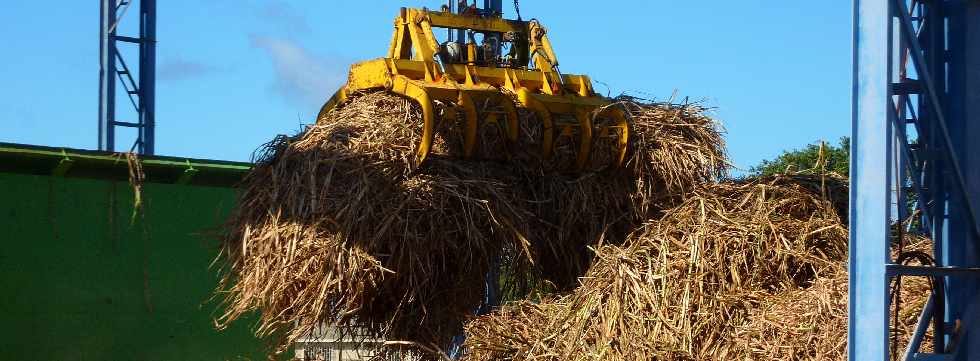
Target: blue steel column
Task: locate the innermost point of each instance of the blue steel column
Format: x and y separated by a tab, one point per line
870	170
932	40
107	75
148	45
963	247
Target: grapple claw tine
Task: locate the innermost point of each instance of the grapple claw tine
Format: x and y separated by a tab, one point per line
547	136
421	96
619	128
512	119
469	111
624	133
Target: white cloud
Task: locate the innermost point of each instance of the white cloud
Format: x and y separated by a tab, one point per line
177	68
300	75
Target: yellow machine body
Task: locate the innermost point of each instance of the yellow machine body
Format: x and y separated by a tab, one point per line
411	69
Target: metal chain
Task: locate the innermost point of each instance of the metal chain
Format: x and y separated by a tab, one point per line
517	8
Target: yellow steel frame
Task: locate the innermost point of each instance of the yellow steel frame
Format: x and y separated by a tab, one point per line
410	69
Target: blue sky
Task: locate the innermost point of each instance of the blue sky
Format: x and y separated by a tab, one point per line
234	73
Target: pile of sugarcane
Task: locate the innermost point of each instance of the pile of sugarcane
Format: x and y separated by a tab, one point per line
753	269
681	285
336	225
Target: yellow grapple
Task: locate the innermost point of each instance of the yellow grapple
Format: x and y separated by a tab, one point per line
419	67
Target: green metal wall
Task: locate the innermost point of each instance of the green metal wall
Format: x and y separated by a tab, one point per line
81	280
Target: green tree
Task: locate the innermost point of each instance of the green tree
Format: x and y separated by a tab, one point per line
816	156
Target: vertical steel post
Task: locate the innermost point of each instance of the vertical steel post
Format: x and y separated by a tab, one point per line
963	100
870	173
107	75
148	35
933	44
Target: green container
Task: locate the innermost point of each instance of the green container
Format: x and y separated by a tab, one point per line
84	277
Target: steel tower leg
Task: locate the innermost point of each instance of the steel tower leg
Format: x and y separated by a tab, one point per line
870	170
138	84
963	245
148	45
107	75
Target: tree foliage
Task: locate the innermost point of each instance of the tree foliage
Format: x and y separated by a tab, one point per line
817	156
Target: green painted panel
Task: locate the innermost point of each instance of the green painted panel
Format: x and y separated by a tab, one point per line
82	280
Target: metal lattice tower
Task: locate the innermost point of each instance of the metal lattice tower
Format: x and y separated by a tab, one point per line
138	83
915	137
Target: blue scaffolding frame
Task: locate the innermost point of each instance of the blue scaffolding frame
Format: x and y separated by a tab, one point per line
915	126
139	83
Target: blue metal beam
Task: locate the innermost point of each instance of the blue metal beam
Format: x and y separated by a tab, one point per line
904	270
963	99
870	180
107	67
920	330
148	33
